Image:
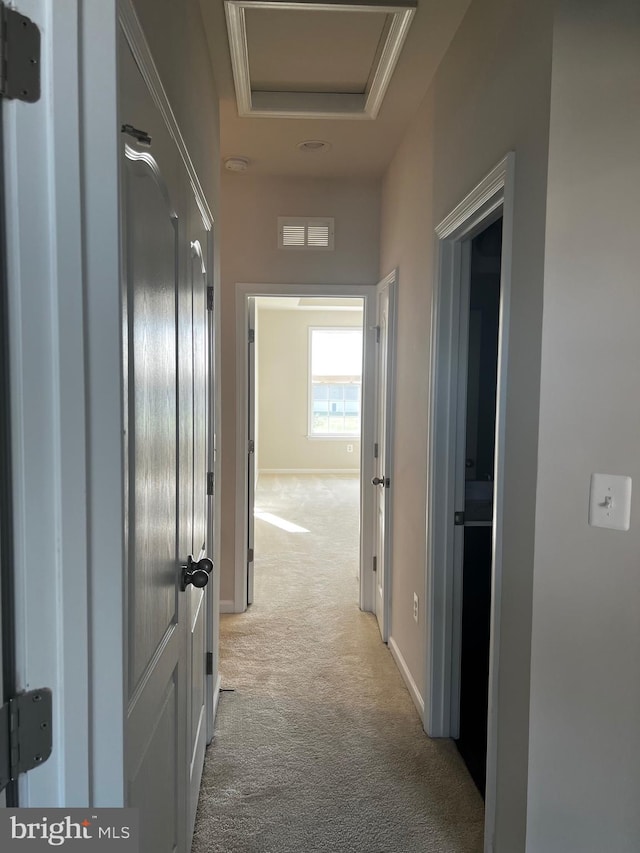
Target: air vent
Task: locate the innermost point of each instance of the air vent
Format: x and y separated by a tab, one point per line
296	232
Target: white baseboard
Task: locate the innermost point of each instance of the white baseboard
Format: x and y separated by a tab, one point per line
227	606
309	471
412	687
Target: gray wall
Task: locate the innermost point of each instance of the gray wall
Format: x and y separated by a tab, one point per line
175	33
490	95
283	384
584	775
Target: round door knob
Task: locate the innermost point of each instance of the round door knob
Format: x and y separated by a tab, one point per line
198	577
196	574
205	564
377	481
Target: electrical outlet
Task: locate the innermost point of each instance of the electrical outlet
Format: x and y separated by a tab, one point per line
415	606
349	448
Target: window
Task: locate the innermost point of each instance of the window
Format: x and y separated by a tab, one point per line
335	357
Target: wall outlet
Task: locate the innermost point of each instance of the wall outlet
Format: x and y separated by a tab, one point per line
349	448
415	606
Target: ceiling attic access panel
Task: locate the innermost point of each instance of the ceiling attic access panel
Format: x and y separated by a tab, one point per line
314	60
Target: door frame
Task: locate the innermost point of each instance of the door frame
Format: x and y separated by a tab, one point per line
61	158
389	282
491	198
368	293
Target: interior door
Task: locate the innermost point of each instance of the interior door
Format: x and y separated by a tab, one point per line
197	597
4	509
159	396
385	325
251	457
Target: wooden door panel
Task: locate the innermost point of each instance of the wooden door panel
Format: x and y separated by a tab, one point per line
197	598
159	507
158	760
152	257
200	390
166	376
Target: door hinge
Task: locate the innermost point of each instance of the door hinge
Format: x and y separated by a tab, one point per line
252	336
251	447
250	555
375	564
209	663
140	136
25	733
458	518
210	482
376	450
377	334
19	56
209	298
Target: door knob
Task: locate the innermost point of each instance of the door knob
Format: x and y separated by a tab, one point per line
196	574
380	481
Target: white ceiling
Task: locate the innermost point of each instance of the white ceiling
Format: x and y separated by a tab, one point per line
334	51
296	51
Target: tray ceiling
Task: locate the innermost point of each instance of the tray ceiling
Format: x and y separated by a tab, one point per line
357	148
310	59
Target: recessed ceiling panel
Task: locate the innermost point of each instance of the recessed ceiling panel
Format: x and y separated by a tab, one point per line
314	51
315	58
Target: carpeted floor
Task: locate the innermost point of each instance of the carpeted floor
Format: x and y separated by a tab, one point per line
319	748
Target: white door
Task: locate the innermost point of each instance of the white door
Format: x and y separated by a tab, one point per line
382	481
3	782
251	456
165	356
4	496
197	598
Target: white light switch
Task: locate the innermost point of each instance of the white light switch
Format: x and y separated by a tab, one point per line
610	501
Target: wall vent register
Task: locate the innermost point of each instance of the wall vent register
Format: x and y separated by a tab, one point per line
297	232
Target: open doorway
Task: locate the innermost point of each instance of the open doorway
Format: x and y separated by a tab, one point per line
469	368
480	314
376	430
305	418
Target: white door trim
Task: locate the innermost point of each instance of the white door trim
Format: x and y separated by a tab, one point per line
44	143
368	293
493	196
390	281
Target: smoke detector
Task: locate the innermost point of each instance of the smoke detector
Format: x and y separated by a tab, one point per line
236	164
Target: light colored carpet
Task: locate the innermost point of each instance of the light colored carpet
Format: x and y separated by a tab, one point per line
319	749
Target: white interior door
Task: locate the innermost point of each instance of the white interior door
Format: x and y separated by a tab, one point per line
251	456
197	598
382	480
165	379
4	388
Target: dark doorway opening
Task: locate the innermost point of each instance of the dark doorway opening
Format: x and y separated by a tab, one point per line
482	366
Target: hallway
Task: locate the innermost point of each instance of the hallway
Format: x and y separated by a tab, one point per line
318	748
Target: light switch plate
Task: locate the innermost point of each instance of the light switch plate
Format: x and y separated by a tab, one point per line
610	501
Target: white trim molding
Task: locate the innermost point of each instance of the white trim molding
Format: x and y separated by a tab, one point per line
492	197
408	679
137	41
334	105
368	294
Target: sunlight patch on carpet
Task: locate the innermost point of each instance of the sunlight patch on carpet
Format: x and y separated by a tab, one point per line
282	523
